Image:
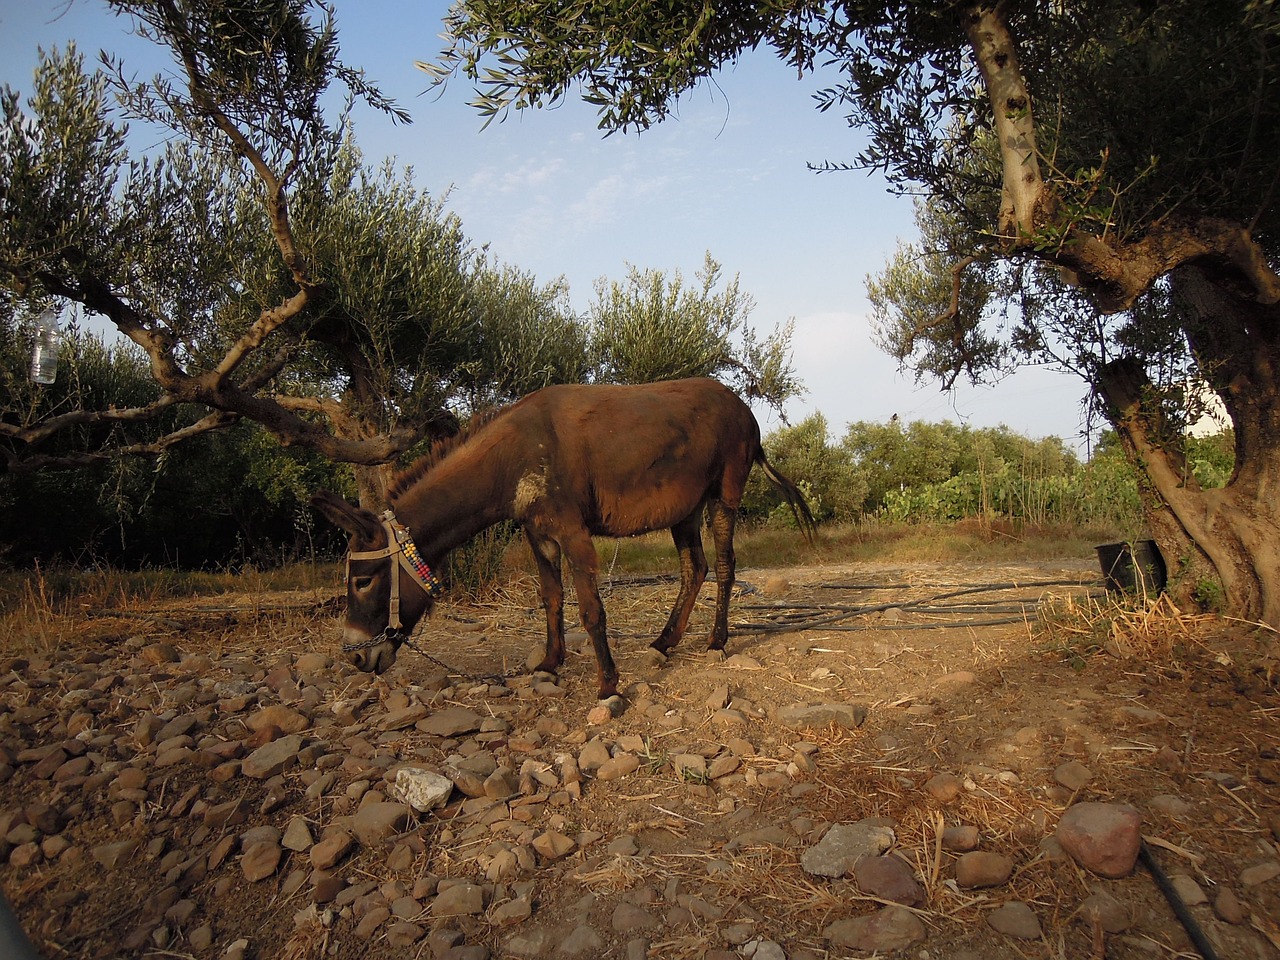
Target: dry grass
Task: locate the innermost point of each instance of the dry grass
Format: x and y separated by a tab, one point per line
1081	626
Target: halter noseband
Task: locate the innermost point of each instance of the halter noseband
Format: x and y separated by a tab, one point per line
401	546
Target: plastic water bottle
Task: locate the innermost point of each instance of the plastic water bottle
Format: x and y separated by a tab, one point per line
44	354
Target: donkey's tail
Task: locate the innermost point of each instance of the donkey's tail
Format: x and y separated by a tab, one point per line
795	499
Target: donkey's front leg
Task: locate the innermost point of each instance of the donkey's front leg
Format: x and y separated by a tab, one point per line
546	554
584	563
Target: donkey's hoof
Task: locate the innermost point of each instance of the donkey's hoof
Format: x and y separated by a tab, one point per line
606	710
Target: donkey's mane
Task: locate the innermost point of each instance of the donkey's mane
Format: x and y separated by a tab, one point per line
440	449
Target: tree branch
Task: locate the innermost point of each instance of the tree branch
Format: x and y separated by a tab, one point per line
994	52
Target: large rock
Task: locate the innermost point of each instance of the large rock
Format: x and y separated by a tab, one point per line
983	868
1104	838
844	845
1015	919
461	899
451	722
803	716
889	878
893	928
272	758
375	822
422	789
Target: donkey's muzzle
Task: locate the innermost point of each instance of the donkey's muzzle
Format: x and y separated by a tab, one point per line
374	659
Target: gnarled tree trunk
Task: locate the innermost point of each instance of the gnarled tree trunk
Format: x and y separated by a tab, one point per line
1223	545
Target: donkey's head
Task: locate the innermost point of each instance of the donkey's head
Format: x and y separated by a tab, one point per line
388	589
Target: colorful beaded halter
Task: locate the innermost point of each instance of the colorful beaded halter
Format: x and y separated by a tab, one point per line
401	546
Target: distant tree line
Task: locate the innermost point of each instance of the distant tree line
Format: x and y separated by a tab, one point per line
238	498
942	472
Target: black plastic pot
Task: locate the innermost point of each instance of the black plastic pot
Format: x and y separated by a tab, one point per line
1135	567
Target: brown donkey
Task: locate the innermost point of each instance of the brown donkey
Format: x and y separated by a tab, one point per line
566	463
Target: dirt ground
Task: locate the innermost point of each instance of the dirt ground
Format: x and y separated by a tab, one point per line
997	675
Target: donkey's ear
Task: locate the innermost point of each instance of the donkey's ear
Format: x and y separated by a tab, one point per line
355	520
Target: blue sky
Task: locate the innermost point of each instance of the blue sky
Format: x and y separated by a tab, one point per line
549	194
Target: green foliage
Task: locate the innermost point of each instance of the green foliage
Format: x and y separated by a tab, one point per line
822	471
940	473
650	327
1209	595
1212	458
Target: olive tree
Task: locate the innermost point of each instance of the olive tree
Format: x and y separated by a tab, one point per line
263	270
1122	150
653	327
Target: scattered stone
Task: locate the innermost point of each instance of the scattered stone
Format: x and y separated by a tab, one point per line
461	899
1103	838
606	710
553	845
723	765
582	940
776	586
1168	759
761	949
1073	775
450	722
331	849
160	653
278	715
619	766
1107	911
803	716
843	845
1015	919
422	789
631	917
960	839
889	878
404	934
404	717
112	855
1170	805
297	835
593	756
511	912
1191	893
260	860
690	766
719	698
886	930
375	822
952	682
982	868
1260	873
272	758
944	787
1228	906
503	784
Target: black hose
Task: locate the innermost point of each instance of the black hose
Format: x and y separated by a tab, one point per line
828	616
1189	923
14	944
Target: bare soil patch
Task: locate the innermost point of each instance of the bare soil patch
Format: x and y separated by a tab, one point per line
128	818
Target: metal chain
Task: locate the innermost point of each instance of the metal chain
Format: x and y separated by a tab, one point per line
500	677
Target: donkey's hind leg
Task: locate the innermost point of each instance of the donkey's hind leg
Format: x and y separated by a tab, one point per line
693	571
723	520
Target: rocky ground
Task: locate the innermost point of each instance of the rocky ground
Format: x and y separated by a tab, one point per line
883	762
